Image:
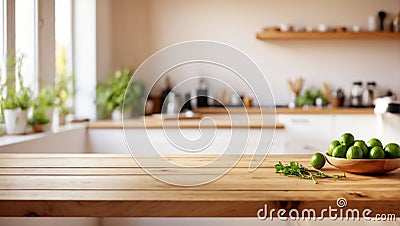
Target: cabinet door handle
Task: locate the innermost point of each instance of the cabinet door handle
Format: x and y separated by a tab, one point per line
300	120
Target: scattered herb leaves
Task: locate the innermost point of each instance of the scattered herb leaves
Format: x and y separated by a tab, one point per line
296	169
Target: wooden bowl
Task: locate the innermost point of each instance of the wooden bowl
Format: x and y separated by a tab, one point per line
364	166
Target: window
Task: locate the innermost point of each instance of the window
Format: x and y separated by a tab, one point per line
46	33
40	32
63	35
25	41
63	52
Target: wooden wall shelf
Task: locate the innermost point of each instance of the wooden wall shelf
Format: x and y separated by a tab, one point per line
277	35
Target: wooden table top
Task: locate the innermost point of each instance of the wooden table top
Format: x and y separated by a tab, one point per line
110	185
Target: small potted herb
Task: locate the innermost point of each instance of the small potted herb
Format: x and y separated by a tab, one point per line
46	99
15	110
16	101
63	93
38	120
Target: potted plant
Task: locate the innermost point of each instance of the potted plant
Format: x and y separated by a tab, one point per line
110	95
16	101
16	104
63	93
39	120
46	98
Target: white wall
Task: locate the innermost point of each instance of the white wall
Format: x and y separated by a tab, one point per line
122	34
141	27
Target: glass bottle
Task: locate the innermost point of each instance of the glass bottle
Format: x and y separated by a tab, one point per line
356	94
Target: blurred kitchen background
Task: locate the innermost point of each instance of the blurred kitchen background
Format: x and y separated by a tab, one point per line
88	49
128	31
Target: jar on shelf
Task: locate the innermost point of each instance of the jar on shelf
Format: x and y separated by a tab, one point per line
369	95
356	94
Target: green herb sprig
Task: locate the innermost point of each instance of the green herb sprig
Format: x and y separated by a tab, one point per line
296	169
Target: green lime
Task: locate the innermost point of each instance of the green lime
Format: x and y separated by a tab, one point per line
354	152
317	160
339	151
347	139
392	150
377	153
332	146
374	142
363	146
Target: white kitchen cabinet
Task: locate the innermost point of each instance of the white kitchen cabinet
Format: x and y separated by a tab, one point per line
106	141
306	133
215	141
303	133
311	133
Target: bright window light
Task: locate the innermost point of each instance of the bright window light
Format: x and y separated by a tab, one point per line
25	40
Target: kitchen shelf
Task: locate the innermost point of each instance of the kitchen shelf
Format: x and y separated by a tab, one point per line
279	110
277	35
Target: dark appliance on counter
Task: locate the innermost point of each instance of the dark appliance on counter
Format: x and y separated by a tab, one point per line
164	94
202	94
187	106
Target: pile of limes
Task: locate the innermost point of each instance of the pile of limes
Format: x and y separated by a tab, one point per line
348	147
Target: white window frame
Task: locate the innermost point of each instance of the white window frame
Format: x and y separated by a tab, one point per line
83	65
44	43
8	33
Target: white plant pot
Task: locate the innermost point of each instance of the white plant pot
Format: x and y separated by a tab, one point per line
50	116
16	120
116	115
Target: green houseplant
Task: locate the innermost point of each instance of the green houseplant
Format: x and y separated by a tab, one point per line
46	99
110	95
38	120
64	91
64	85
16	99
47	96
42	107
309	98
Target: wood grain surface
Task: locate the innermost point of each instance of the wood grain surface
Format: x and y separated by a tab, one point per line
110	185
